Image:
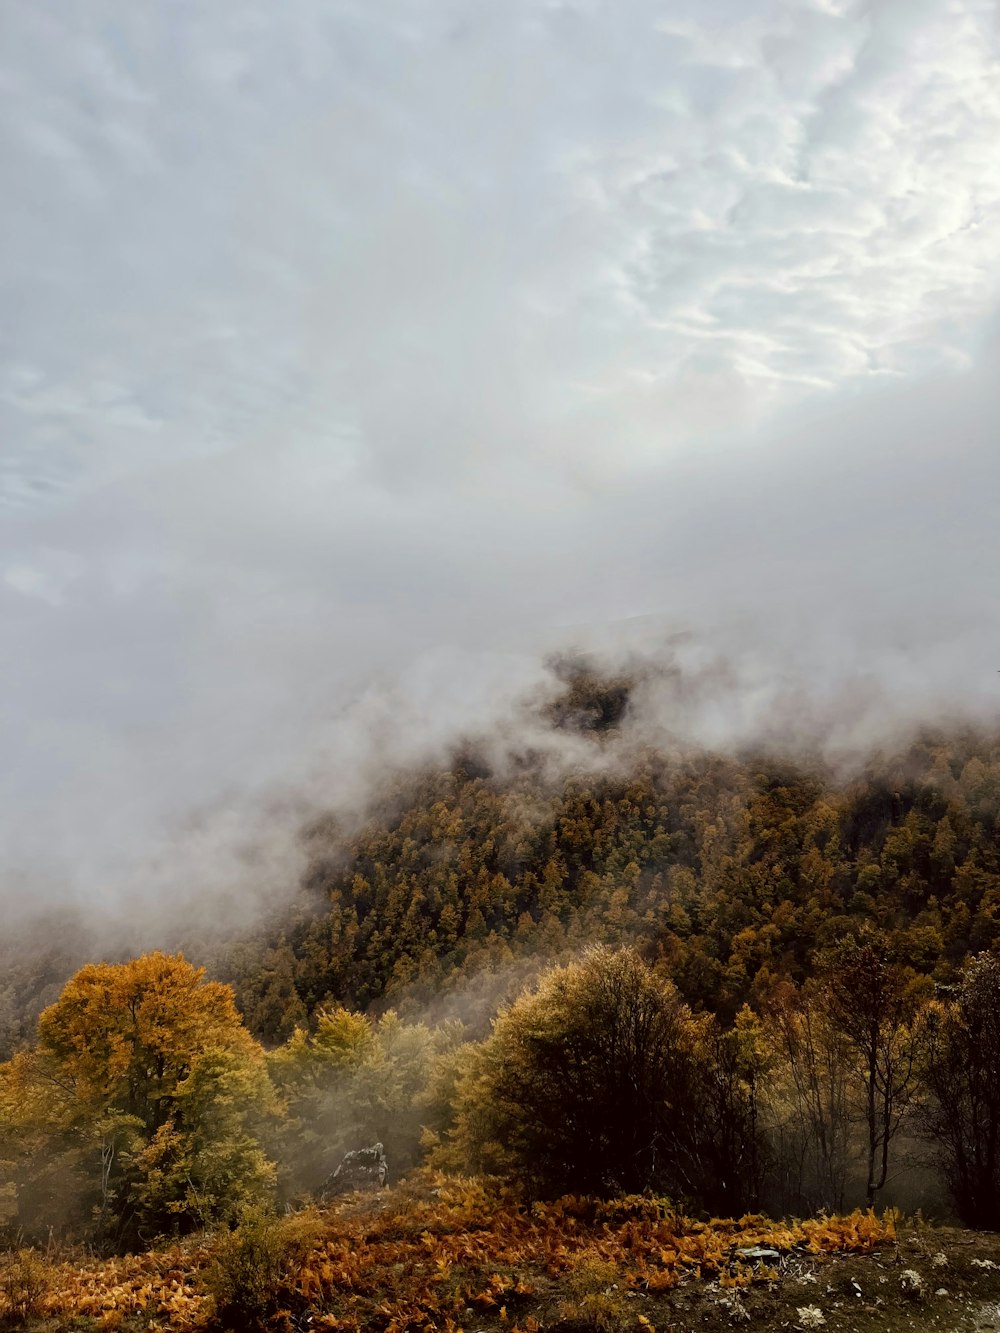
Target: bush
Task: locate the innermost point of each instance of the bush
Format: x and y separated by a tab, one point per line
590	1084
602	1082
24	1279
253	1262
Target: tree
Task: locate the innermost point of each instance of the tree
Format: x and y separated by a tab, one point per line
962	1075
808	1101
728	1144
871	1001
146	1088
351	1082
588	1083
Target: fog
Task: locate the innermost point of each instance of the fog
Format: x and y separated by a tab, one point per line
358	361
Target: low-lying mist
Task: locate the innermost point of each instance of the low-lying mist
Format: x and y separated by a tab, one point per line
171	728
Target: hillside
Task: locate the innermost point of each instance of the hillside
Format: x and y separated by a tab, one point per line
463	879
451	1255
730	870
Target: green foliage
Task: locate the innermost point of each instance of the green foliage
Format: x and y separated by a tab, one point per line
351	1082
206	1164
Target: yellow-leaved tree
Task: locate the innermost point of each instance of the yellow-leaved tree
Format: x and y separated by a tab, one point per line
352	1081
138	1111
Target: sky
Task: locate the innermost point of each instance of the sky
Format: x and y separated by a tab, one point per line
353	355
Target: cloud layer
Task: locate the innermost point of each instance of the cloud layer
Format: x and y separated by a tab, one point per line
357	351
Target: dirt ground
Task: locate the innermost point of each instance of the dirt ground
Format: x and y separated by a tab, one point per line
932	1279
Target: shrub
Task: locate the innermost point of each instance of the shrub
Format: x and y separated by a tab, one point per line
253	1262
589	1084
24	1279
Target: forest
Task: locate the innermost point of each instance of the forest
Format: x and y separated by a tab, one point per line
740	984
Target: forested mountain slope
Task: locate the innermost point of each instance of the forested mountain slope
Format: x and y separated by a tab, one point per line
732	870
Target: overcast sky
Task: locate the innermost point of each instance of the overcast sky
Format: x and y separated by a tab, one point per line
351	350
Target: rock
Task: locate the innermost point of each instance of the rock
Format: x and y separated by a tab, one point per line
363	1169
810	1316
759	1254
912	1284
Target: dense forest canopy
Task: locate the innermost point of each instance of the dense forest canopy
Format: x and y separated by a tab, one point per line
731	869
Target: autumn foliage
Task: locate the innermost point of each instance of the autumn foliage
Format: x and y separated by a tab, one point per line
739	983
134	1114
444	1254
601	1080
735	871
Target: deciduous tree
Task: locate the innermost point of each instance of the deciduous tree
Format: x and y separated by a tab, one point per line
872	1001
588	1083
145	1089
962	1075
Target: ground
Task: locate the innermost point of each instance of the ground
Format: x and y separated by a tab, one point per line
931	1280
436	1254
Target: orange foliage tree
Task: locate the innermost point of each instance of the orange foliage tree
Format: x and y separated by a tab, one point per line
140	1104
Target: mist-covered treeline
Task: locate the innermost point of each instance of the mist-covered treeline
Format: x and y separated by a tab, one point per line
731	870
740	980
145	1108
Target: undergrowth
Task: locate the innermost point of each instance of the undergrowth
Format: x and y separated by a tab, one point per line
439	1253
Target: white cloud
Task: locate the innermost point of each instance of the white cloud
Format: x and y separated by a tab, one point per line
351	338
252	222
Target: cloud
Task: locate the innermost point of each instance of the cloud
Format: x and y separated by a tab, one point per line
361	353
248	225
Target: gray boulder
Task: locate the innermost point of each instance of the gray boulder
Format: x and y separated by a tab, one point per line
363	1169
